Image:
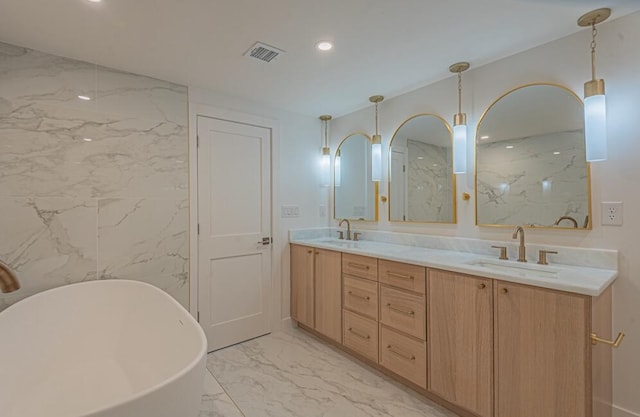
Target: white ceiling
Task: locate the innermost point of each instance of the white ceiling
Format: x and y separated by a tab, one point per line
381	46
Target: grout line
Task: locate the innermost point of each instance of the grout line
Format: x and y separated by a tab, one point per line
227	393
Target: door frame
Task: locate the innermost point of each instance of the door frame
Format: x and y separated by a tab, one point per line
277	247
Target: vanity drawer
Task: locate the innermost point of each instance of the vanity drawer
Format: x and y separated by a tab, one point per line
403	311
360	295
361	335
360	266
397	274
404	356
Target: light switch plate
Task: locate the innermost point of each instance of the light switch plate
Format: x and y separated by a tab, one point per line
612	213
289	211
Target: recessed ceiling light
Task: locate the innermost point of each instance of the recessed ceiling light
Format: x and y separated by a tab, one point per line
421	157
86	98
556	153
324	46
509	146
87	139
484	137
94	1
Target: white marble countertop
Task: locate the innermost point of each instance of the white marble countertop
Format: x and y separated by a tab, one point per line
576	279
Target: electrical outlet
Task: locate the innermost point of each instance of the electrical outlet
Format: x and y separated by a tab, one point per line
612	213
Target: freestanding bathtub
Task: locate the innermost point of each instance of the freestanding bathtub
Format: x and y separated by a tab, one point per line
110	348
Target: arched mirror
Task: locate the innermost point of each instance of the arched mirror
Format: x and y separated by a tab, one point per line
531	167
421	180
355	195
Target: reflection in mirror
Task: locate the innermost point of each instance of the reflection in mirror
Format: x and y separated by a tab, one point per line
531	167
354	192
421	181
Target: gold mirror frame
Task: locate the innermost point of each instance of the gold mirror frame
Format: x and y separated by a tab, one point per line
475	184
375	183
454	218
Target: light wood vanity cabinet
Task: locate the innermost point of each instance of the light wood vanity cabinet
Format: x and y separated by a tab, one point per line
544	356
460	336
480	346
360	303
302	285
316	290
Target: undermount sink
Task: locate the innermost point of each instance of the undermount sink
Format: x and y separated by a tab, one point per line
520	268
341	242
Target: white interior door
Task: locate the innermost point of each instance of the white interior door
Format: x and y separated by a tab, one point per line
234	217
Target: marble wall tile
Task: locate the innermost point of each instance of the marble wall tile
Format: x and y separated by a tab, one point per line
536	181
145	240
48	242
429	183
137	153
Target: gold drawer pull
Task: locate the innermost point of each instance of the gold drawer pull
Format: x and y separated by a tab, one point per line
358	266
360	335
402	355
615	343
362	297
401	276
401	311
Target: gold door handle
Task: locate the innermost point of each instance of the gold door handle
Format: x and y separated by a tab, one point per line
401	276
401	311
362	297
360	335
615	343
358	266
482	286
402	355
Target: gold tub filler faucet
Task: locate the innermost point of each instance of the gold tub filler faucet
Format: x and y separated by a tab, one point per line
8	280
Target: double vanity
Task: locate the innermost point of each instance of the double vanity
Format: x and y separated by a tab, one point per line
480	335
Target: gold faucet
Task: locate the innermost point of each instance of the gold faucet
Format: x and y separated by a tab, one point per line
522	252
8	280
348	227
571	219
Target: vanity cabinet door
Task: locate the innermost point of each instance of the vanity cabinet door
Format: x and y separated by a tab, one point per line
328	293
460	340
542	352
302	287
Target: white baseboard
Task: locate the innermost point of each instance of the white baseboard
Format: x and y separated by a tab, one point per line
621	412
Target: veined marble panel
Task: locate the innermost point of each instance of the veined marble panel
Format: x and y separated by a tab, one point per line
216	402
292	374
429	183
44	153
48	242
32	77
145	240
533	180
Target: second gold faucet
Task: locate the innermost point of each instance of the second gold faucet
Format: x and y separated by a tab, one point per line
522	251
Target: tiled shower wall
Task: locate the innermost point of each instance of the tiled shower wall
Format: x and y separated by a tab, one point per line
91	189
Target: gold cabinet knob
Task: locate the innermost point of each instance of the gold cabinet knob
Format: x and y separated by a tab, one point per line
310	251
482	286
505	290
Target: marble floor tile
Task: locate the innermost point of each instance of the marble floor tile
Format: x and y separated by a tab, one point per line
292	373
216	402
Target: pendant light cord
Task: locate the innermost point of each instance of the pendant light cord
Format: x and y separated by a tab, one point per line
594	32
376	118
326	143
459	92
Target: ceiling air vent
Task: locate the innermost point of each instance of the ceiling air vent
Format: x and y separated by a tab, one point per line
263	52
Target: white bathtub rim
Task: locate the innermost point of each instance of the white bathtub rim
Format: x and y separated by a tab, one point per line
199	357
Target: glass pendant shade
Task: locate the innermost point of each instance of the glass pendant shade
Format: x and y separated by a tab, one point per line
460	148
376	158
338	173
595	127
326	167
